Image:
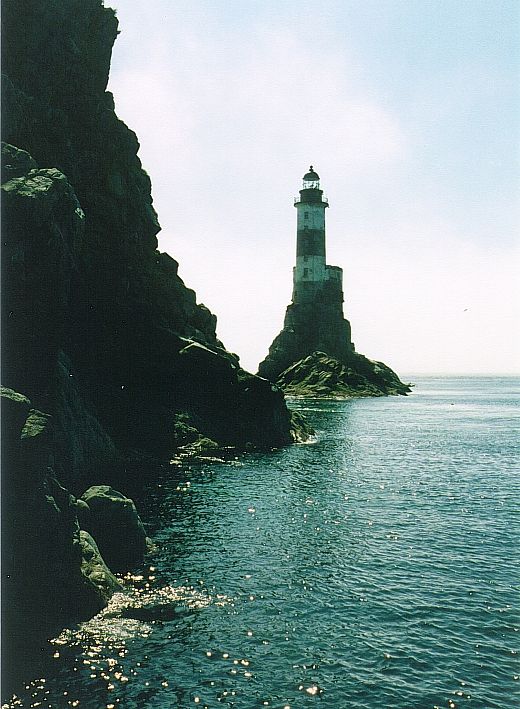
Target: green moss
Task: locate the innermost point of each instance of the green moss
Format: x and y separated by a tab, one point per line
35	424
7	393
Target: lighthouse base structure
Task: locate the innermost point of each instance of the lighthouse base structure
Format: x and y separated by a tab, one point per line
314	356
308	327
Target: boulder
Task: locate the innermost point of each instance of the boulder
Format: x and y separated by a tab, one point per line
115	525
94	569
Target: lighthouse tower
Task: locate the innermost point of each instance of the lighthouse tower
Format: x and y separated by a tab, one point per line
314	354
313	280
314	320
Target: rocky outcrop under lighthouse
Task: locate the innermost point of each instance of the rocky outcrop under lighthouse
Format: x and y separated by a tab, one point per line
321	376
314	357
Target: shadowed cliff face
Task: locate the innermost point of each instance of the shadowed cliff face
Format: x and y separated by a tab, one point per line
98	324
99	332
49	576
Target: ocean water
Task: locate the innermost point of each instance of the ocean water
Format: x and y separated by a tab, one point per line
376	568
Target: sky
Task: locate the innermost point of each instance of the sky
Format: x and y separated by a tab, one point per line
410	112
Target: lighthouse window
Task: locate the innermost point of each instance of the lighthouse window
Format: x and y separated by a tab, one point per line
305	272
306	215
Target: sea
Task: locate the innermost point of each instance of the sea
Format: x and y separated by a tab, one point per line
375	567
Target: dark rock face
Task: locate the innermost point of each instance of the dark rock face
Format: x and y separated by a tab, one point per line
87	297
46	578
42	230
42	555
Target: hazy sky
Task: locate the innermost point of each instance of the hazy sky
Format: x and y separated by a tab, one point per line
410	112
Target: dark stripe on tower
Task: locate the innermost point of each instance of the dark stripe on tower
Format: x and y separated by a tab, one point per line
310	242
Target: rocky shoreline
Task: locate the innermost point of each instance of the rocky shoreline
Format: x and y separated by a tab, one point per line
59	552
109	362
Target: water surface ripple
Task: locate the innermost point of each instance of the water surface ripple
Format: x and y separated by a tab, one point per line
376	568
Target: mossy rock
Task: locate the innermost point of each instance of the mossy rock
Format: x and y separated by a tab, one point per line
116	527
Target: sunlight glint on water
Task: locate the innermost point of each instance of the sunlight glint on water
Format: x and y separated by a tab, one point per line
377	568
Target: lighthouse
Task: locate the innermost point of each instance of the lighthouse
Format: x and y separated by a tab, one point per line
313	279
314	354
314	320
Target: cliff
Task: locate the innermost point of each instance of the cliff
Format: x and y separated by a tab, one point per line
99	331
98	323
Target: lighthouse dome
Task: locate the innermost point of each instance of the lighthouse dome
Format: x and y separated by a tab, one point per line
311	176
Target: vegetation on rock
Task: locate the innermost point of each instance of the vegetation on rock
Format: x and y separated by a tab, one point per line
321	376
